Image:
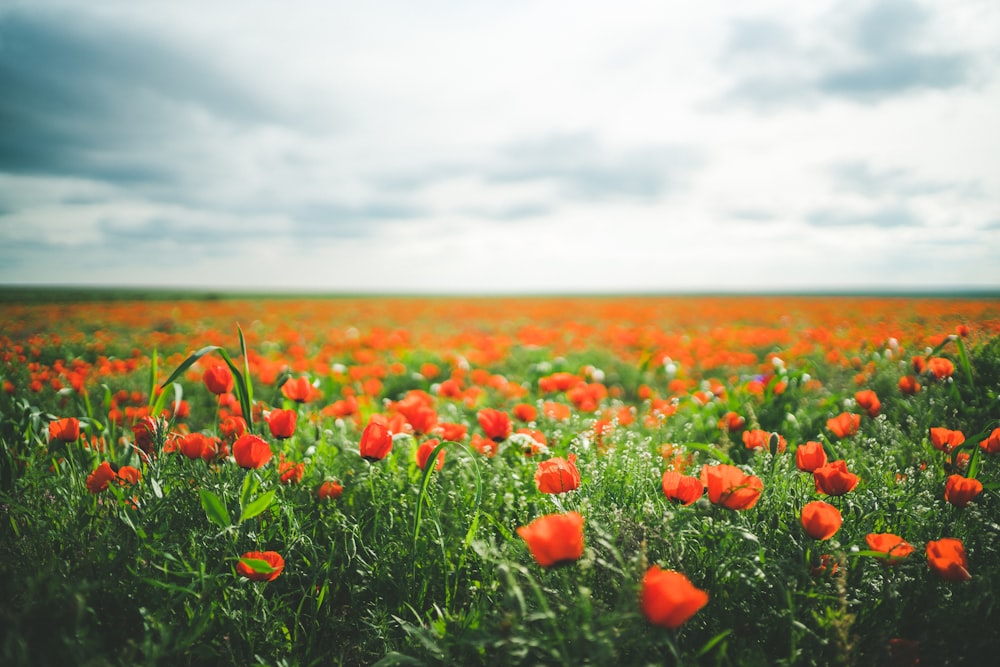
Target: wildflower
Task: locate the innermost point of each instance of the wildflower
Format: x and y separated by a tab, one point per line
758	439
682	488
144	431
557	475
731	421
128	475
556	411
909	385
232	427
483	445
261	565
844	425
66	429
947	558
424	452
828	565
834	479
299	390
330	489
197	446
251	451
554	539
730	487
98	480
991	445
218	379
496	424
940	367
525	412
376	441
290	472
820	520
669	598
945	439
868	400
960	491
809	456
894	547
282	423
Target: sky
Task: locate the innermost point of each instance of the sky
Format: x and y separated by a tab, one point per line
501	147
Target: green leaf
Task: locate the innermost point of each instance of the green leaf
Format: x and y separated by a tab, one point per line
248	387
257	506
187	363
963	362
215	510
250	484
711	450
258	565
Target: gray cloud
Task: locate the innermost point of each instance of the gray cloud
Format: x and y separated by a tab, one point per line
860	177
885	217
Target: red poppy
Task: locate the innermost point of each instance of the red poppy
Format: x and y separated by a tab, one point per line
682	488
557	475
218	379
945	439
820	520
947	558
991	445
940	367
376	441
282	423
451	431
669	598
809	456
909	385
759	439
525	412
290	472
144	431
827	566
129	475
894	547
197	446
844	425
496	424
66	429
98	480
299	390
232	427
731	421
260	565
424	451
330	489
868	401
251	451
554	539
834	479
730	487
960	491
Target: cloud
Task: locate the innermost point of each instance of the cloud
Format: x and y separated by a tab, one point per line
884	217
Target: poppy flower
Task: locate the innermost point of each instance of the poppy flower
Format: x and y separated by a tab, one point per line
730	487
496	424
904	652
947	558
232	427
940	367
827	566
66	429
731	421
144	432
260	565
129	475
290	472
809	456
960	491
525	412
760	439
844	425
945	439
908	385
557	475
682	488
820	520
282	423
894	547
299	390
554	539
218	379
376	441
451	431
424	451
98	480
991	445
197	446
330	489
834	479
868	400
251	451
669	598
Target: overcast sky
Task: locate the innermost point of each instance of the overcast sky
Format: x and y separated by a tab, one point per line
510	146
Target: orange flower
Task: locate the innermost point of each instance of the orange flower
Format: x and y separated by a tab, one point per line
758	439
947	558
669	598
376	441
991	445
868	400
525	412
682	488
66	429
299	390
909	385
218	379
197	446
424	451
232	427
251	451
844	425
820	520
98	480
144	431
290	472
894	547
940	367
261	565
451	431
556	411
960	491
731	421
945	439
554	539
834	479
282	423
330	489
557	475
731	487
809	456
496	424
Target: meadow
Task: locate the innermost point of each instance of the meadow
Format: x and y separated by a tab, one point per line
700	480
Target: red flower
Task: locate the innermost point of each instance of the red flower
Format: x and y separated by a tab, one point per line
894	547
909	385
834	479
290	472
554	539
66	429
128	475
809	456
731	421
682	488
424	452
232	427
947	558
960	491
991	445
525	412
376	441
844	425
218	379
330	489
940	367
197	446
299	390
144	431
98	480
282	423
868	400
758	439
945	439
820	520
251	451
261	565
731	487
557	475
451	431
669	599
496	424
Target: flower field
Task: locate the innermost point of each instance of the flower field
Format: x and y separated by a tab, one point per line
559	481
